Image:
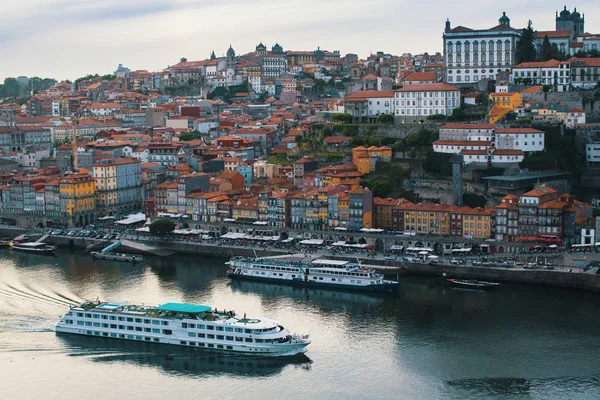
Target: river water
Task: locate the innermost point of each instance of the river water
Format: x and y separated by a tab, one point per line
431	341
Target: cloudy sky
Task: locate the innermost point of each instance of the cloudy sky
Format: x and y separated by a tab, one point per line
66	39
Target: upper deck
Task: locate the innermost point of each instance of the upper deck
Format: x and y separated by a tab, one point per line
178	311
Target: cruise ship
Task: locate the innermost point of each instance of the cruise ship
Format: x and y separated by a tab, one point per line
334	274
189	325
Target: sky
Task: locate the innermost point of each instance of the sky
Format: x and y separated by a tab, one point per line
66	39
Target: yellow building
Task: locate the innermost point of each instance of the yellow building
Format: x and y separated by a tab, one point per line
503	103
476	223
365	159
426	218
77	198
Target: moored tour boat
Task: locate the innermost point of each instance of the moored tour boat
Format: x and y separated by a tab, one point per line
472	283
34	247
324	273
189	325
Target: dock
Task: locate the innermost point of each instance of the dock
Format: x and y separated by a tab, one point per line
105	254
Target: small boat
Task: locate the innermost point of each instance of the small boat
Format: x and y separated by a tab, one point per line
472	283
34	247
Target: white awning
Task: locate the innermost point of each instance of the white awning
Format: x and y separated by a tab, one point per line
143	229
132	219
260	223
315	242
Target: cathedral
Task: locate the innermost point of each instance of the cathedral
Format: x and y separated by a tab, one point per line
570	21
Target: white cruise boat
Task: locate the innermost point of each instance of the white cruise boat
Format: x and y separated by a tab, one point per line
333	274
34	247
181	324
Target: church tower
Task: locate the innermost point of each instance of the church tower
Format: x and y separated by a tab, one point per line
504	20
230	57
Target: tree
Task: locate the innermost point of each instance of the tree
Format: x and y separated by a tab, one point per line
298	139
457	115
344	118
385	119
10	88
436	117
526	45
187	136
545	51
162	227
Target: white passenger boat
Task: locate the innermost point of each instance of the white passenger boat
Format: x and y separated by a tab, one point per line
181	324
34	247
333	274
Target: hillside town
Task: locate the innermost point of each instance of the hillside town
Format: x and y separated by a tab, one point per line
496	137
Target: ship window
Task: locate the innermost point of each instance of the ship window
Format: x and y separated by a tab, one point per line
219	346
210	327
155	330
210	345
121	326
248	340
80	314
201	335
182	342
138	328
259	340
228	329
239	339
200	326
97	324
122	336
121	319
146	321
184	325
262	273
248	330
229	347
192	334
351	280
220	337
358	281
147	338
165	323
113	326
321	278
192	325
80	323
155	322
88	315
147	330
293	276
229	338
105	325
113	318
156	339
219	328
129	319
104	317
104	334
210	336
333	279
167	332
239	330
88	324
113	335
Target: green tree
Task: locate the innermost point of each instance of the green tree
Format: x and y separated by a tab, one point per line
162	227
344	118
187	136
526	45
458	114
380	188
385	119
298	139
10	88
545	50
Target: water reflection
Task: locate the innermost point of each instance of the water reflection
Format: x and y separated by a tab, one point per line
178	360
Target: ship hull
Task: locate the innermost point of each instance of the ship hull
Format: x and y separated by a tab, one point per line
279	350
387	287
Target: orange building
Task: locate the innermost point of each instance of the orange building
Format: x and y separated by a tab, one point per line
365	159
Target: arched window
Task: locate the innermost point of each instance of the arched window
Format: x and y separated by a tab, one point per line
458	58
467	46
499	57
450	58
483	58
507	57
483	46
475	57
491	57
475	46
507	45
458	47
450	47
491	45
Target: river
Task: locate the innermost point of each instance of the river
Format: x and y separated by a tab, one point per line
430	341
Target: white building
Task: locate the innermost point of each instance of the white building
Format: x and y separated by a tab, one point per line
484	143
527	140
102	109
367	105
585	72
257	83
551	72
471	55
415	102
562	39
273	65
592	153
575	116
